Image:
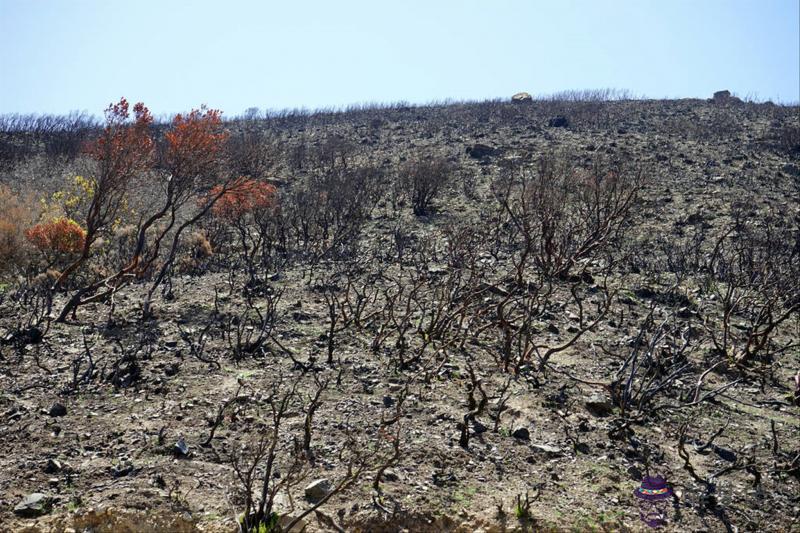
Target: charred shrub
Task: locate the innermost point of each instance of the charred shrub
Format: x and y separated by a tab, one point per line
422	179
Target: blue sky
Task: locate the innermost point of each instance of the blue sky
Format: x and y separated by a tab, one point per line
58	55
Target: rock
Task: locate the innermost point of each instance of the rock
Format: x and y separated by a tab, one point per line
722	95
23	337
583	448
479	151
122	469
171	343
33	505
171	369
521	433
390	475
547	449
388	401
558	122
52	466
57	409
286	519
725	454
318	489
599	405
479	428
634	473
181	449
522	98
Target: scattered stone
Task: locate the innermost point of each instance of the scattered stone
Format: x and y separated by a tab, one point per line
521	433
318	489
558	122
171	369
645	292
33	505
522	98
552	328
599	405
57	409
52	466
547	449
390	475
634	473
181	449
122	469
23	337
171	343
286	519
479	151
388	401
479	428
725	454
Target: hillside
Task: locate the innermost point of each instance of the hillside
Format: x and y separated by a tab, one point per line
492	316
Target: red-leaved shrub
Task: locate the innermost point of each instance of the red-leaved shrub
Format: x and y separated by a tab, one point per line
243	196
60	235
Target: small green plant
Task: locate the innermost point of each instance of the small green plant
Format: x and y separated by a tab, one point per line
603	521
464	496
522	509
74	504
271	524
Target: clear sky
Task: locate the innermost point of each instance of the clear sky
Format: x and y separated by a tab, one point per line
59	55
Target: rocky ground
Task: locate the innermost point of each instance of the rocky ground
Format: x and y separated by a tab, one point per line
111	420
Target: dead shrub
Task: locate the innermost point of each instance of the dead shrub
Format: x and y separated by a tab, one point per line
422	179
195	253
16	215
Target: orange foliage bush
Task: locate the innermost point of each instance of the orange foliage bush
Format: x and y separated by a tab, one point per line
194	143
61	235
244	196
124	148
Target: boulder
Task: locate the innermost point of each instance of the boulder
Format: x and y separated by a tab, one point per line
721	95
57	409
52	466
522	98
181	449
479	151
724	97
552	451
521	433
33	505
599	405
318	489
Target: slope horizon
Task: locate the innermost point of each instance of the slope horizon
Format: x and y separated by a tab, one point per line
612	95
